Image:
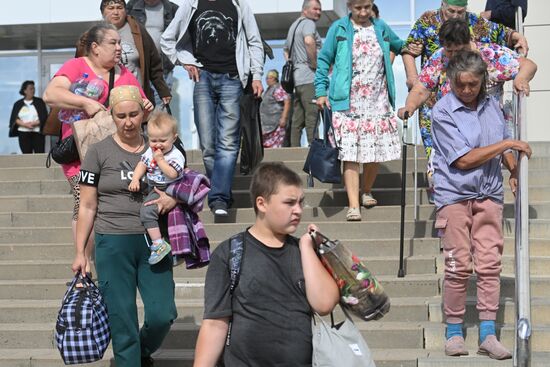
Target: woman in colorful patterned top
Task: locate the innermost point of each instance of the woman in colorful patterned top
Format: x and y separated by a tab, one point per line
503	64
425	33
362	97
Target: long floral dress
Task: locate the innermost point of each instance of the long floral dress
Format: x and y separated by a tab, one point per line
367	132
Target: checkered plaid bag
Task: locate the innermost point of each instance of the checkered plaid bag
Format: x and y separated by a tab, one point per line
82	329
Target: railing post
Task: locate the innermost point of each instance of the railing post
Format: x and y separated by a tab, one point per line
522	345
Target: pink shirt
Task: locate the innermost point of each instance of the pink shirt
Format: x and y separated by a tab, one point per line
74	69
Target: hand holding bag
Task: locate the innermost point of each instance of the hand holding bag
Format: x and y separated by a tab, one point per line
322	159
82	329
338	345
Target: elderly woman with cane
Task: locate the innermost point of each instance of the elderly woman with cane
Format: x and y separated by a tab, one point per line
471	142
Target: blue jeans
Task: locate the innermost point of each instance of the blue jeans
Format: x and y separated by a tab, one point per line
169	79
216	99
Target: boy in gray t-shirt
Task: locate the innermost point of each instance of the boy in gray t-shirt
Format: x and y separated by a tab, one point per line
163	164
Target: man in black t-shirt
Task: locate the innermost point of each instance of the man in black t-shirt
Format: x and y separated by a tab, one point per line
281	281
219	44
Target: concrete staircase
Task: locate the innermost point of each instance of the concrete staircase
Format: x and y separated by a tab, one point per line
36	252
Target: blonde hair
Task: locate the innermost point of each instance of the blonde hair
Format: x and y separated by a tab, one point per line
162	120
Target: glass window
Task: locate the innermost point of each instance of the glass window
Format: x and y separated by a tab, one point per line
15	70
424	5
394	10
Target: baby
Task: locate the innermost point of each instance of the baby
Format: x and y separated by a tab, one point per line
163	164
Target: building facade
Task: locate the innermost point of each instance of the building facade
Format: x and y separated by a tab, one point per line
35	43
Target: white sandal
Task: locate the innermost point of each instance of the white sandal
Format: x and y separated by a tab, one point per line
353	215
368	201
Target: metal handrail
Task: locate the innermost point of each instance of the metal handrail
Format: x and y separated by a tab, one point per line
523	327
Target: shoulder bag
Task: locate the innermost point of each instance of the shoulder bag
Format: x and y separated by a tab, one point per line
322	159
95	129
340	344
287	73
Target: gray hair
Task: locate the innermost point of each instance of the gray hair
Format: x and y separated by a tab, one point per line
96	34
306	3
466	61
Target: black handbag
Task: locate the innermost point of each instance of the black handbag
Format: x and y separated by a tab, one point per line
63	152
322	159
287	73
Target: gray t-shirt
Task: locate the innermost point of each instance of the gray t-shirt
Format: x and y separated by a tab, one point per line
118	208
303	73
130	54
271	316
154	23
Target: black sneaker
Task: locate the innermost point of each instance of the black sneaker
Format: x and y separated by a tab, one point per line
219	208
147	362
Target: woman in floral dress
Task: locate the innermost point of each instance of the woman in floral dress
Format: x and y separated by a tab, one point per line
361	94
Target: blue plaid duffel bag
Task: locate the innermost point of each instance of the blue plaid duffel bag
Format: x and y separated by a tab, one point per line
82	328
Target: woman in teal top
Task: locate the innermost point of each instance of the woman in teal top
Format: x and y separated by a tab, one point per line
361	94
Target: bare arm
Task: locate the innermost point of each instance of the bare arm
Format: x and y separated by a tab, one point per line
164	166
139	172
527	70
284	115
84	225
311	51
210	342
410	69
57	94
478	156
418	95
510	162
321	290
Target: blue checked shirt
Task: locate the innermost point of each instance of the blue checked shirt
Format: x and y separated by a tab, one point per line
456	130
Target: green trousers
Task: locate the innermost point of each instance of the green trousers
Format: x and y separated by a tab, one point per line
304	114
122	268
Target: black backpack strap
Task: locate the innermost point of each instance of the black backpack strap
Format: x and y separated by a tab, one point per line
236	251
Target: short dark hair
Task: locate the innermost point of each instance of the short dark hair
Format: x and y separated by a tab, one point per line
96	34
454	32
24	86
267	178
466	61
104	4
375	11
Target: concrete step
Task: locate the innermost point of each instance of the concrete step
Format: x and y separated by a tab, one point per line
540	286
434	337
390	335
61	186
539	210
361	247
404	309
182	358
193	287
438	359
219	231
540	311
539	265
55	269
36	203
335	229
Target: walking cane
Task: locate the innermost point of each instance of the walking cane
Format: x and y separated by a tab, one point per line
401	271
